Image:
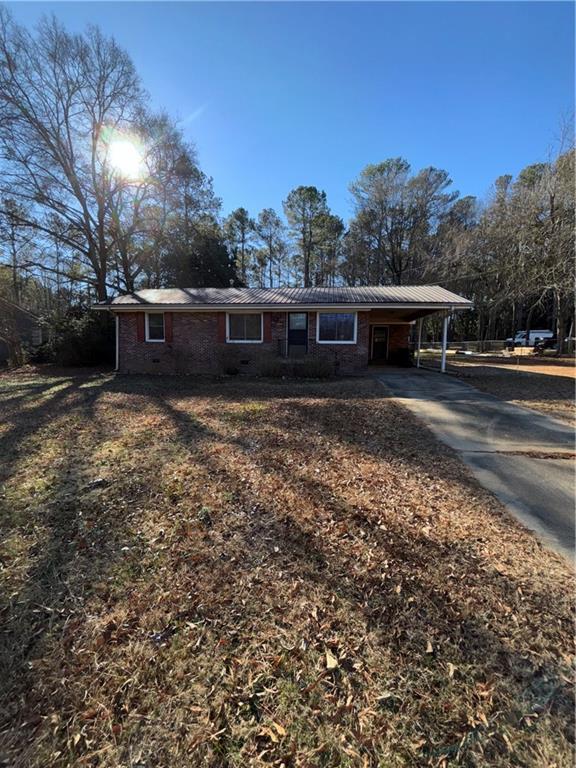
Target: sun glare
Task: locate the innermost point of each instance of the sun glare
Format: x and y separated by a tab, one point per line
126	159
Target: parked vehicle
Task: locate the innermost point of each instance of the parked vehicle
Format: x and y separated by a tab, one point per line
522	339
542	345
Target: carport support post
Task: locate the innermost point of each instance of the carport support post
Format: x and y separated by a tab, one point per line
444	342
419	343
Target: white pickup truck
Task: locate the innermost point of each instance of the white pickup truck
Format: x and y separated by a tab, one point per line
521	339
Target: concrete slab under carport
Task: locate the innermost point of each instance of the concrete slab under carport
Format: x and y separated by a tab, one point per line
523	457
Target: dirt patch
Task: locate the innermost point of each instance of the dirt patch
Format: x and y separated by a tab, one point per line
252	574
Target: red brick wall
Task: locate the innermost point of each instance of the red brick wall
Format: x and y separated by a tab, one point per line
195	347
398	337
347	358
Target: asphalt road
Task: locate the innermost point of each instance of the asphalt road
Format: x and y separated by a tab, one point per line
498	442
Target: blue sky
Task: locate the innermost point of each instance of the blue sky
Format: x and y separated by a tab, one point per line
280	94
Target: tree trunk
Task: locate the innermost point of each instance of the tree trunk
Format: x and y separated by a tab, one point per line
101	290
570	345
14	254
529	324
560	323
270	265
513	319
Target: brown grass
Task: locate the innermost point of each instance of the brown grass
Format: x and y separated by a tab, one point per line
264	574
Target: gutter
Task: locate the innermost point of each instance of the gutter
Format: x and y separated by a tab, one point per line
144	307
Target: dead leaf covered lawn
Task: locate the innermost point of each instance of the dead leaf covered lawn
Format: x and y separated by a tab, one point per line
243	573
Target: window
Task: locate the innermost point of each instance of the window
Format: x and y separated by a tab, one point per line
298	321
244	327
336	328
154	326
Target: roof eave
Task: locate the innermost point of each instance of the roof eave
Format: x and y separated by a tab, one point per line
231	307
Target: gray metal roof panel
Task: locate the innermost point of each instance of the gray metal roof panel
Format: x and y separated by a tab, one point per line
202	297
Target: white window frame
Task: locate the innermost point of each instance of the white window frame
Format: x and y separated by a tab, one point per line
333	312
244	341
155	341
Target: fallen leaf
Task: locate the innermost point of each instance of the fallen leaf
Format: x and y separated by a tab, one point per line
482	717
279	729
270	734
331	660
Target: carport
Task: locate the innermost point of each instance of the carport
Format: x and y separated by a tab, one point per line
382	320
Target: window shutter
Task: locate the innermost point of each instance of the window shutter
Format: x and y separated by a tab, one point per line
140	326
267	327
221	327
168	327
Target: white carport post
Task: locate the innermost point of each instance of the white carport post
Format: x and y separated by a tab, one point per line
419	342
444	342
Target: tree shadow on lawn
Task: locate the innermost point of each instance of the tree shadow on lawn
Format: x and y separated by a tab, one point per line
410	448
349	427
19	395
72	535
26	422
30	612
460	603
230	388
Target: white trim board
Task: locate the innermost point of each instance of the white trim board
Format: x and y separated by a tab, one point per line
332	312
244	341
147	330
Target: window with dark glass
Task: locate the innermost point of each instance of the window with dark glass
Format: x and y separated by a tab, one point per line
337	327
155	327
298	321
245	327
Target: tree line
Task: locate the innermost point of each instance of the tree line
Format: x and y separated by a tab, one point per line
78	223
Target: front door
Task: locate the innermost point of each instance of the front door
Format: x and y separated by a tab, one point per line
379	346
297	334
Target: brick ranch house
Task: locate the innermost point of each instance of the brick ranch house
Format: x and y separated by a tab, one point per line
211	330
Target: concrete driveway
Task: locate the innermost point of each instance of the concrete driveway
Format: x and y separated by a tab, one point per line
518	454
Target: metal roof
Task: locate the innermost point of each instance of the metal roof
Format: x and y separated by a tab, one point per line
412	295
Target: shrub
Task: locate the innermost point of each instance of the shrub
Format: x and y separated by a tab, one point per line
275	368
278	368
313	369
230	360
41	354
82	338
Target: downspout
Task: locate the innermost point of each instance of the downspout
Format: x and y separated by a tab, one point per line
117	342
